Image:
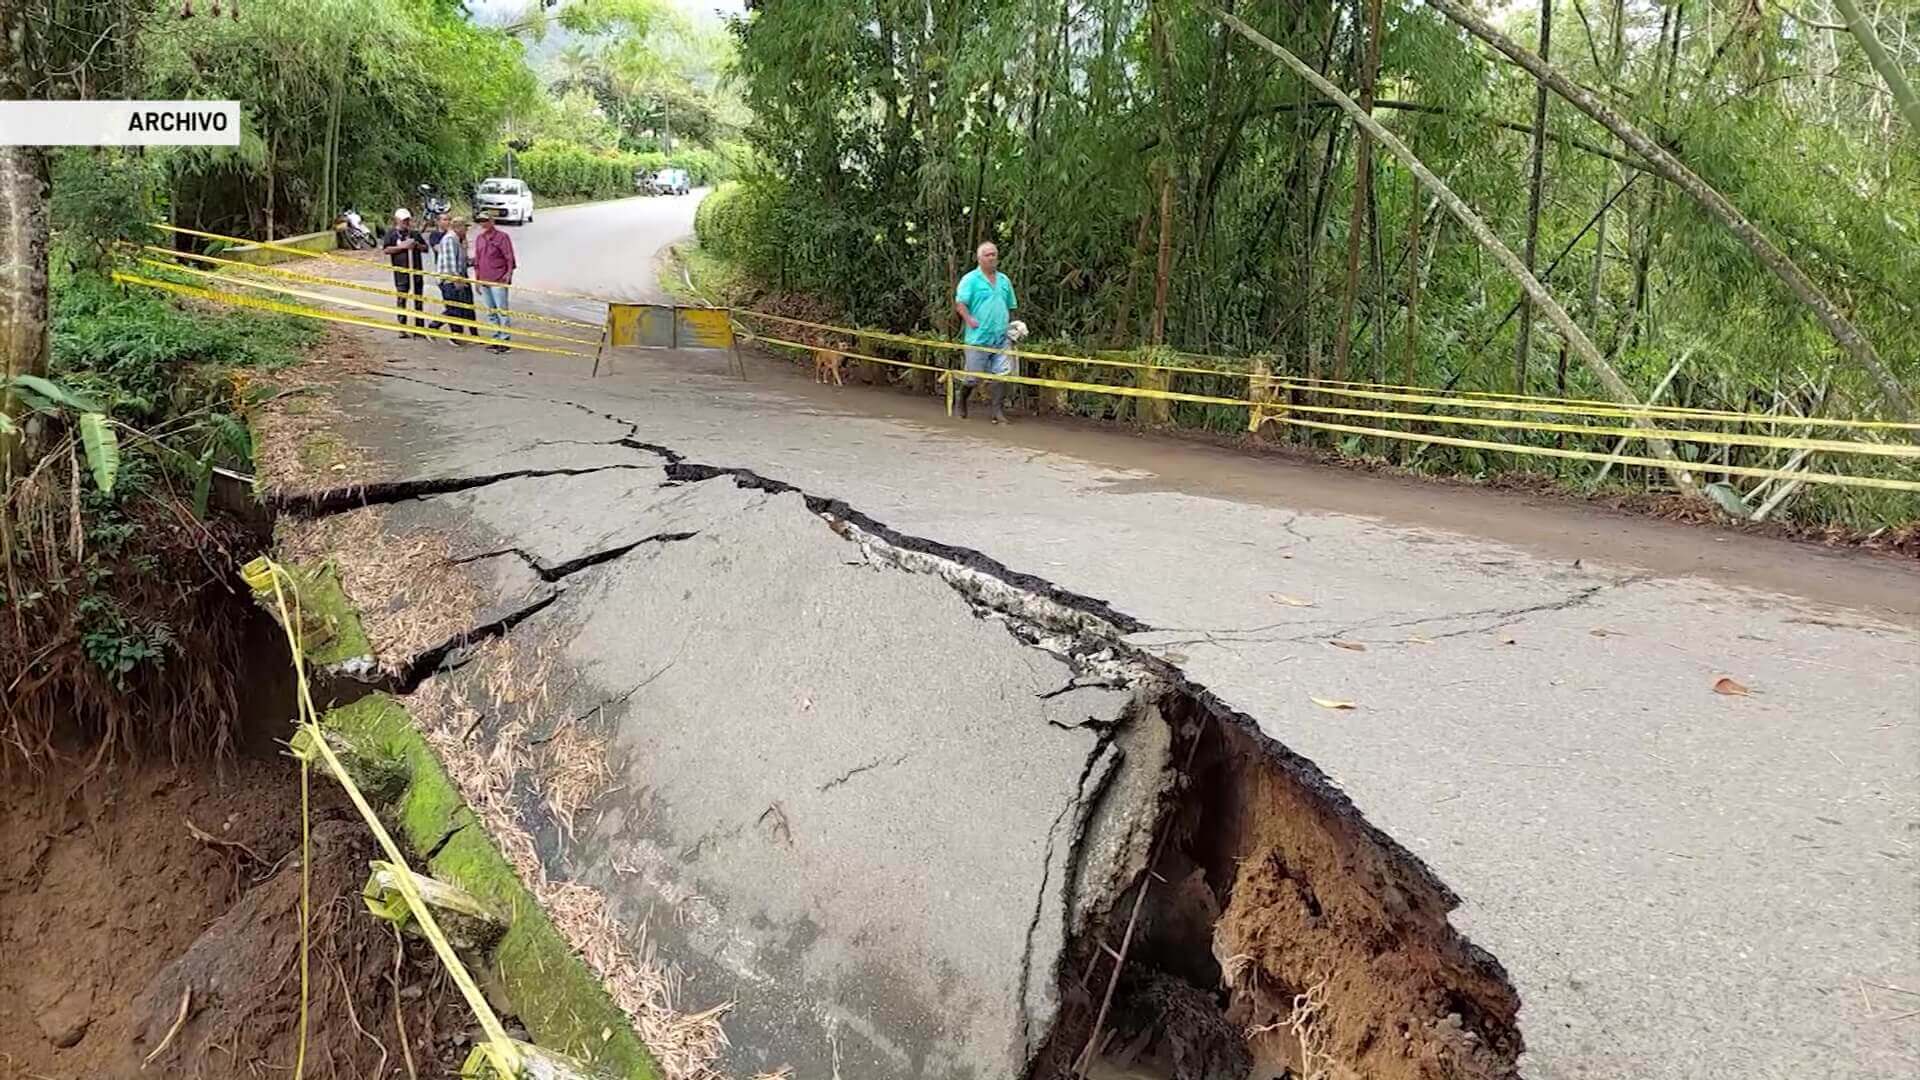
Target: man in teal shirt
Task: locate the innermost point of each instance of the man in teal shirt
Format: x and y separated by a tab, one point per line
983	300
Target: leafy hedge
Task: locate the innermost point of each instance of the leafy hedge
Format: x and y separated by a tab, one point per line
741	223
566	170
781	239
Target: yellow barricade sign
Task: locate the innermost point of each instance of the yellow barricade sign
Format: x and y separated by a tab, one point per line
703	328
640	326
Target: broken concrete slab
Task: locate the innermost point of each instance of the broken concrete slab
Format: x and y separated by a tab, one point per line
865	784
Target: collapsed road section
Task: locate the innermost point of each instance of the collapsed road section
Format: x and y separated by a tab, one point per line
892	808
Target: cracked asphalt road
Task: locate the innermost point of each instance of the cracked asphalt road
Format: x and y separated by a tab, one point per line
1681	883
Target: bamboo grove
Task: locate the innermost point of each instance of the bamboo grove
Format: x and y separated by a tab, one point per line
1152	174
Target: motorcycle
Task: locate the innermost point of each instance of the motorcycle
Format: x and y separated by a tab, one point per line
353	232
432	205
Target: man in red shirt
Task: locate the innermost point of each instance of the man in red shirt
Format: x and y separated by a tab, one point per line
493	264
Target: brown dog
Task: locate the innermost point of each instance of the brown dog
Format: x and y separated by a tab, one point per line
826	364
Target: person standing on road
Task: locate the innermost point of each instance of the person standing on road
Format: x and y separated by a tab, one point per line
451	260
493	265
406	250
983	300
437	231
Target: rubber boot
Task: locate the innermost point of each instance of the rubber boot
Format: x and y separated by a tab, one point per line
998	395
966	391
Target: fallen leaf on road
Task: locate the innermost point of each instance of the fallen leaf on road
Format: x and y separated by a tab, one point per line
1730	688
1326	703
1290	601
1350	645
1601	631
1509	641
1418	640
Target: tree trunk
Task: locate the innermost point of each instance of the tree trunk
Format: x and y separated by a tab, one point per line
23	268
1123	324
1163	269
1882	62
1537	187
1362	194
1609	378
1409	365
1668	167
273	172
1599	256
24	232
1377	303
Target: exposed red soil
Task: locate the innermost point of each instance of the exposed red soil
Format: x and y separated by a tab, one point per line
112	911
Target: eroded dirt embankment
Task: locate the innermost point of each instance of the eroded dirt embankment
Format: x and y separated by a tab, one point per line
1219	909
150	924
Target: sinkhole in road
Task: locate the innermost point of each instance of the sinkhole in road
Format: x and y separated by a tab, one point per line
1273	934
1261	928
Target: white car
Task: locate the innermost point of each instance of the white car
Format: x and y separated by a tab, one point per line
672	181
508	198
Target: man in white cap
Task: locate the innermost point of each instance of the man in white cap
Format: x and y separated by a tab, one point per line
407	250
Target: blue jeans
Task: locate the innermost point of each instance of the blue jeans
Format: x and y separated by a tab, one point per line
495	297
988	358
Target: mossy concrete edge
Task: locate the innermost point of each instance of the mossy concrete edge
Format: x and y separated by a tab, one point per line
563	1004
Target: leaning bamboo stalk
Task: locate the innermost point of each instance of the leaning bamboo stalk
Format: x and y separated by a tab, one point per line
1849	337
1582	345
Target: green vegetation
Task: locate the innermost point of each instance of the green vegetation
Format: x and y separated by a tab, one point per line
143	390
343	102
636	88
894	136
566	170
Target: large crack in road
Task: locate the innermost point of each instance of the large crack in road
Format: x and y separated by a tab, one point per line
916	812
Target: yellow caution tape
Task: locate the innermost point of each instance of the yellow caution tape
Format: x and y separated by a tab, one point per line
334	283
1275	412
1658	412
1343	388
1721	438
501	1049
1584	455
386	309
1715	437
804	347
934	343
337	256
505	1055
314	313
1024	380
1684	411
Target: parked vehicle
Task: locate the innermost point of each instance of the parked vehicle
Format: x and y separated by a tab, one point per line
507	197
353	232
673	181
432	204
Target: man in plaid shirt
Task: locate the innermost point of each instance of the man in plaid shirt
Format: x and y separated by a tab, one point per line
450	258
